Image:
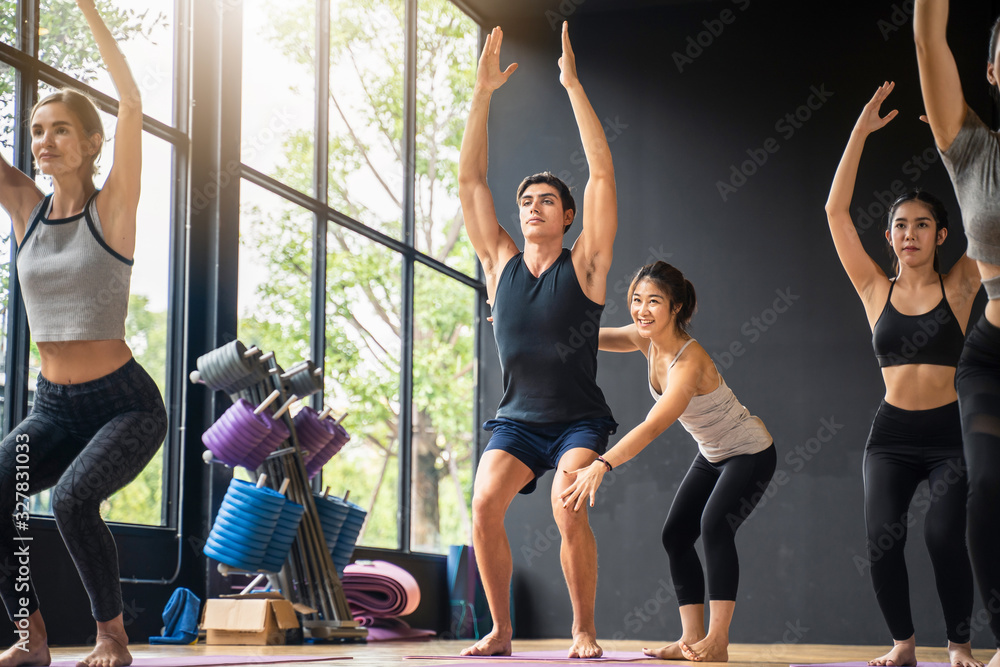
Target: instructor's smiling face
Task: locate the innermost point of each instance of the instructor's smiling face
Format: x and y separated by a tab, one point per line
650	308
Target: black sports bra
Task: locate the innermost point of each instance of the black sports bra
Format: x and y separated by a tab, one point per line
932	338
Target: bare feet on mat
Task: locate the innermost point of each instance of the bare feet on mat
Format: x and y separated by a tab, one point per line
584	646
491	644
902	653
671	651
709	649
37	653
961	655
111	649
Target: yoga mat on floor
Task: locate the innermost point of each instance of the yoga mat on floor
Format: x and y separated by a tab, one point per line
213	660
521	663
538	656
920	663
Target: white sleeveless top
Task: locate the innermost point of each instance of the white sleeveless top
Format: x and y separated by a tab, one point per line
721	426
75	285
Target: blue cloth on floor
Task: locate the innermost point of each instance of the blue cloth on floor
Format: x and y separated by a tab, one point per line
180	619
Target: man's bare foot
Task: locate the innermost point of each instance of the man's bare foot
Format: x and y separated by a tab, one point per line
491	644
903	653
961	655
37	654
709	649
110	651
671	651
584	646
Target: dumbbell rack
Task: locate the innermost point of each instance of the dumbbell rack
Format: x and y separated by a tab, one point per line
308	576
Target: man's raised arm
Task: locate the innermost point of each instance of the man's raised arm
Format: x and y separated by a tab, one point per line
488	238
600	200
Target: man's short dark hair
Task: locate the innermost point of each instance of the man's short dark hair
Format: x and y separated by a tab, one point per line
548	178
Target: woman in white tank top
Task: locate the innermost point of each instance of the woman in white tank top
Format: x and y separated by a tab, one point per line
735	461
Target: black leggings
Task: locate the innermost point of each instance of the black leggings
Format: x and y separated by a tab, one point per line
84	441
713	501
978	383
904	448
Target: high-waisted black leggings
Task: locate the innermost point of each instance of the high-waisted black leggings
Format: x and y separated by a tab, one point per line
713	501
84	441
978	384
904	448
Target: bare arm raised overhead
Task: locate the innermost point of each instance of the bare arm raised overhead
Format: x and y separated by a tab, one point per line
593	250
866	275
119	198
939	80
491	242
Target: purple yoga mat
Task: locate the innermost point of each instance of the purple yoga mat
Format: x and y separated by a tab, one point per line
920	663
538	656
377	589
212	660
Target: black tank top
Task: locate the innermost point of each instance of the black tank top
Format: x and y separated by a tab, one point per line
546	331
932	338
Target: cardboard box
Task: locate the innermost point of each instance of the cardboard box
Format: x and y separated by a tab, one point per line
255	619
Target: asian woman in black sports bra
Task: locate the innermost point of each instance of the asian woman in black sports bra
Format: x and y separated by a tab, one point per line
918	322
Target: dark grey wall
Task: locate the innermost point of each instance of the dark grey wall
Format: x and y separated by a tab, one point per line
775	308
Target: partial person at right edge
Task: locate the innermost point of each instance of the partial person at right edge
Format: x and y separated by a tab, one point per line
971	153
552	414
918	321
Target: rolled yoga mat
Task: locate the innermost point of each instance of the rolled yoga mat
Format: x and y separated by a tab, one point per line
376	589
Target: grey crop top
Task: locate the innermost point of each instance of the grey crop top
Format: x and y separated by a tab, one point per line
720	425
973	162
75	286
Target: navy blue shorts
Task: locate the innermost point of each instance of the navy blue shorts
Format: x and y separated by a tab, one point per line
540	446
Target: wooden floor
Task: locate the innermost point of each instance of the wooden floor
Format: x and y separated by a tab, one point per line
391	653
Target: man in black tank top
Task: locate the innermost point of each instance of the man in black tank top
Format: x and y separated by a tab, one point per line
547	303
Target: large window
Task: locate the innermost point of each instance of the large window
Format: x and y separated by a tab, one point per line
396	296
146	34
7	151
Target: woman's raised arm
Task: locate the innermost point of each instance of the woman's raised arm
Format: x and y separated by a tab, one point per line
863	271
